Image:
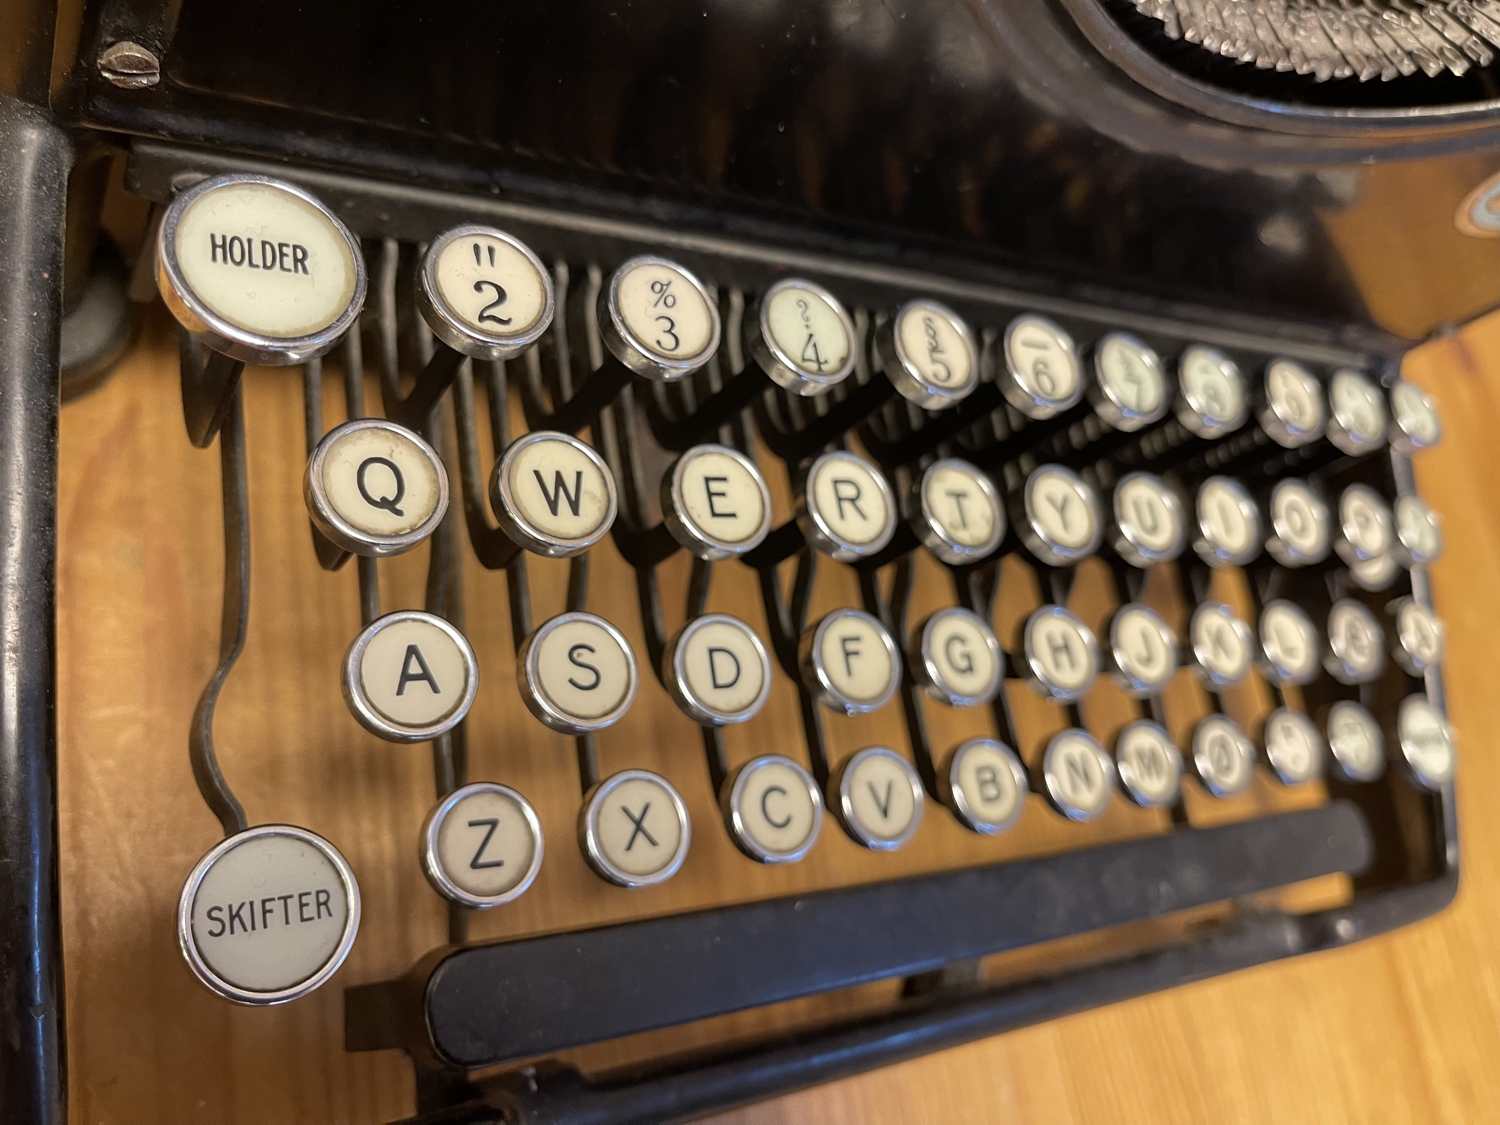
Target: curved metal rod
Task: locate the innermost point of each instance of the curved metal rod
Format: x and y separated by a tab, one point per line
233	621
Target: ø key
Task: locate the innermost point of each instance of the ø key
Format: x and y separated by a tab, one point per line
374	488
410	676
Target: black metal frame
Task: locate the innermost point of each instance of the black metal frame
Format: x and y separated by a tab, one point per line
1392	889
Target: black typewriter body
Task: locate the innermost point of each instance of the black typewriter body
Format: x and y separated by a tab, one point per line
1003	161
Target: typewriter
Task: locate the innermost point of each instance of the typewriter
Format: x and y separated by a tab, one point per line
791	536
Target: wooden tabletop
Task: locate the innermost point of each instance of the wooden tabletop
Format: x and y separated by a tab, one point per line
1403	1027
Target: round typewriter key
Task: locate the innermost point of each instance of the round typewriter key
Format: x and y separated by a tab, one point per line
1375	574
878	796
552	494
1062	655
577	673
1149	764
1129	388
1222	644
985	785
258	269
1355	742
1148	520
1060	522
1211	401
1357	419
1426	739
956	657
715	502
773	809
957	513
802	337
1419	636
717	670
1415	424
847	509
1289	643
1223	758
1356	646
1419	533
1143	649
657	319
1229	532
1301	534
1293	746
268	915
484	293
1078	777
375	488
410	676
1365	529
850	663
928	354
634	829
1294	413
1041	375
482	845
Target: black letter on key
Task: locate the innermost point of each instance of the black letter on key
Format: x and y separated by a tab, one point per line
638	826
576	662
708	489
560	489
851	497
491	823
713	668
765	808
385	503
882	803
414	654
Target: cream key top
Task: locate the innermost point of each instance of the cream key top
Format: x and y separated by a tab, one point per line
879	798
717	670
1041	374
552	494
985	785
1223	757
773	809
375	488
1129	389
659	319
484	293
410	676
259	269
847	508
268	915
1060	521
1078	777
959	516
928	353
807	336
634	829
715	502
1148	763
577	673
849	662
956	656
482	845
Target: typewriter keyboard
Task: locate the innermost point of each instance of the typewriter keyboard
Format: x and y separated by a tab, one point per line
876	558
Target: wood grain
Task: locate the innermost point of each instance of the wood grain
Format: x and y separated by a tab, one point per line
1403	1028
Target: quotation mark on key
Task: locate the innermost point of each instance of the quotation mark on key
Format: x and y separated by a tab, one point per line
478	261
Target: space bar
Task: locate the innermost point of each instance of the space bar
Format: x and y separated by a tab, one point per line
512	999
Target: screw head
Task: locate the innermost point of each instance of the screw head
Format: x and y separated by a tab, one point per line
129	66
